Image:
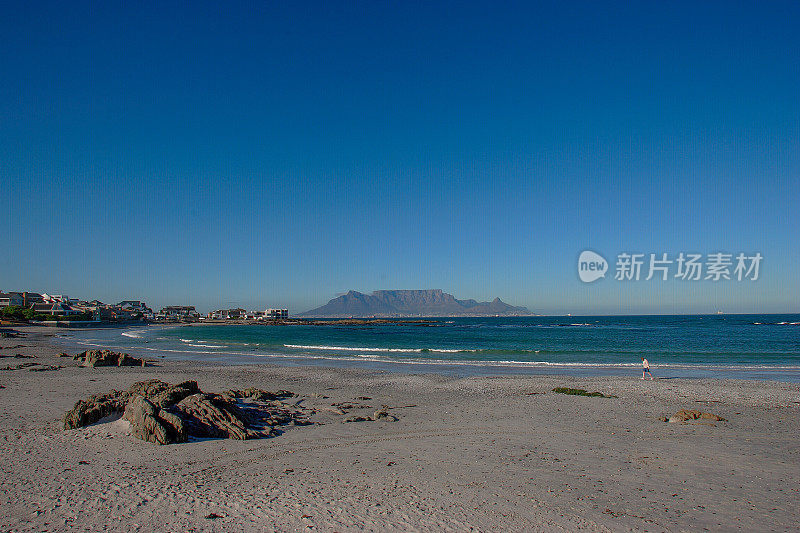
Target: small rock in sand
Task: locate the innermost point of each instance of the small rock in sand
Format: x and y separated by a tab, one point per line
358	419
43	368
685	415
19	366
383	414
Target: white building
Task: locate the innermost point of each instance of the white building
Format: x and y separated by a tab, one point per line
276	314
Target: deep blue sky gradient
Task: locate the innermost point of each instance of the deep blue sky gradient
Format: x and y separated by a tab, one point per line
276	154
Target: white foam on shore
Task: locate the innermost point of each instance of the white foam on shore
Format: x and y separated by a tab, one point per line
207	345
376	357
390	350
131	334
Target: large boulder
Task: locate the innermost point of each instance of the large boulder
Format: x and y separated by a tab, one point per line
153	424
95	408
95	358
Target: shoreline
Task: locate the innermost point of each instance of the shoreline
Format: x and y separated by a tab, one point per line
448	367
485	453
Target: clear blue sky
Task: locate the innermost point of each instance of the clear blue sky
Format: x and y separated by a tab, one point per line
276	154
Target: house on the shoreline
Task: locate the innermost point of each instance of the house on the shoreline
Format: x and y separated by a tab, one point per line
39	303
136	306
20	299
271	314
228	314
178	312
54	308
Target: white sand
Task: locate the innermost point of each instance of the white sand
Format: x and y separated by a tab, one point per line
474	454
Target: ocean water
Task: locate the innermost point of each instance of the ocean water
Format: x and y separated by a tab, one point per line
738	346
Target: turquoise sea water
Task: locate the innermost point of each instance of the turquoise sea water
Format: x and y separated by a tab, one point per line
750	346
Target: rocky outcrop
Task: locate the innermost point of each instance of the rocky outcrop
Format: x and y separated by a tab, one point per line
687	415
163	413
211	415
153	424
107	358
163	394
95	408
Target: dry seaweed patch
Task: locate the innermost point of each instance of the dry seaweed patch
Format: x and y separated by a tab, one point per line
686	416
582	392
163	413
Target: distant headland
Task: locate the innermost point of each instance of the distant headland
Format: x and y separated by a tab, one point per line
410	303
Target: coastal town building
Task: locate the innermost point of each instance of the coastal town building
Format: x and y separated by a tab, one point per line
127	310
136	307
270	314
39	303
8	299
54	308
228	314
55	298
21	299
178	312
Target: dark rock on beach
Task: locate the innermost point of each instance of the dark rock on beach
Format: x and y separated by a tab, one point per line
153	424
95	408
380	414
383	414
19	366
163	394
163	413
43	368
211	415
356	418
95	358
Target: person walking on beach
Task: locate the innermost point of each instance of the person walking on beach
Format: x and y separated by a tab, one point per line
646	368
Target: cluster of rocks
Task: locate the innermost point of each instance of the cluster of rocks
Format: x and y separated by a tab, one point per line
162	413
105	358
688	415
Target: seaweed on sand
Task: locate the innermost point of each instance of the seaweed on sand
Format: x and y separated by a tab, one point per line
582	392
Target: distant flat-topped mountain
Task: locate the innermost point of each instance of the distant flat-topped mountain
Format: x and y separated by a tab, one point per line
410	303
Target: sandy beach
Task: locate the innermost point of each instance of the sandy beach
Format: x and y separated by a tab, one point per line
466	454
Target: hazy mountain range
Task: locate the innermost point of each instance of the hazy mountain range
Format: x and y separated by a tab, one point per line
410	303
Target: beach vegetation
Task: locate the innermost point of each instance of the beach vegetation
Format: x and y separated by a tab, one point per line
582	392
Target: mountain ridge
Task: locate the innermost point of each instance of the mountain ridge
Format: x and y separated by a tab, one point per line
399	303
